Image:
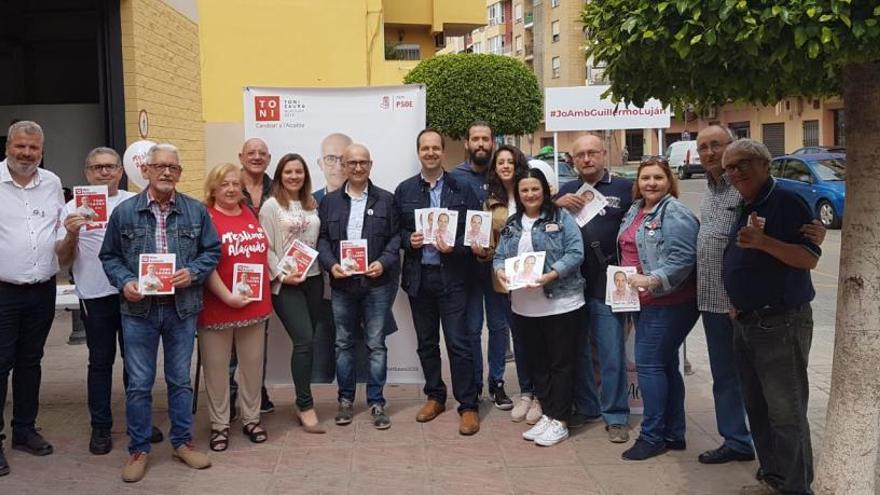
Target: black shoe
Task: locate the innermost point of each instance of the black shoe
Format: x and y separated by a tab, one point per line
156	435
644	450
724	454
266	405
4	466
345	414
500	398
578	420
34	444
676	445
380	419
101	443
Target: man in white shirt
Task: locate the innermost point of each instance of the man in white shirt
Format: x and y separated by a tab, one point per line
32	199
79	243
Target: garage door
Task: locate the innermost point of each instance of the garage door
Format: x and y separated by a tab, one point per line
774	138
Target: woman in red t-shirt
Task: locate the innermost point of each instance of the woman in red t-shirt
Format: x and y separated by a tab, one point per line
237	303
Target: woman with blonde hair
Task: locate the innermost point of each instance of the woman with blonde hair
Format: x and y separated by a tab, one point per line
230	318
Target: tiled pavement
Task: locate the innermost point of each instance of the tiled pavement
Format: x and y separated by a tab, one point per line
357	459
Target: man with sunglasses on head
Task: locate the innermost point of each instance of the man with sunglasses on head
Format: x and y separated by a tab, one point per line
160	220
718	215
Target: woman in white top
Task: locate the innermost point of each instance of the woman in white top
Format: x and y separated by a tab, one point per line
291	213
547	314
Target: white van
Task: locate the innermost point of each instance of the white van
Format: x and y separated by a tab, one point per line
683	159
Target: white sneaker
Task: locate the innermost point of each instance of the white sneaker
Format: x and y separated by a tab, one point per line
536	431
521	409
535	412
553	434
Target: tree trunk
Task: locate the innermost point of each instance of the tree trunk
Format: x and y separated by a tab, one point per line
849	459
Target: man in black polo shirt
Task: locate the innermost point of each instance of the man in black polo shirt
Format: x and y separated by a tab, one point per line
605	328
766	273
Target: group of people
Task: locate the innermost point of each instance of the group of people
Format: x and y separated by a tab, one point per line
744	267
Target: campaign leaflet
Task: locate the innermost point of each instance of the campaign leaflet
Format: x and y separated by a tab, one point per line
247	280
595	202
618	293
426	223
524	270
353	256
298	259
478	228
447	225
155	272
91	202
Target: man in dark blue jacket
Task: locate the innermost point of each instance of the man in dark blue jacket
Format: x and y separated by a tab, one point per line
160	220
361	210
436	277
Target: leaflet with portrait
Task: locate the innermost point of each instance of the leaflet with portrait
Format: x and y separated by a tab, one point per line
478	228
595	203
91	202
618	293
425	223
298	259
446	226
524	270
155	272
353	256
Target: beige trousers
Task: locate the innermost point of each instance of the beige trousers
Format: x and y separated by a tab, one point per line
216	349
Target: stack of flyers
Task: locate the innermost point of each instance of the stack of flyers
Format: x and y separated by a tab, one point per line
478	228
298	259
155	272
353	256
91	203
247	280
524	270
594	203
618	293
436	223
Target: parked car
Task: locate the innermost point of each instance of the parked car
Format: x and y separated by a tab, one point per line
683	159
819	149
818	178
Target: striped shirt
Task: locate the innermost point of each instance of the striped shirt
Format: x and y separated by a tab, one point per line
161	212
718	215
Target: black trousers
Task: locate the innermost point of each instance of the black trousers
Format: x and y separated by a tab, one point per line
103	322
772	352
26	314
436	304
551	350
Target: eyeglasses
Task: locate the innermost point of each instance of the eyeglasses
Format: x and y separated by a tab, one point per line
332	160
738	166
591	154
714	146
101	167
174	169
353	164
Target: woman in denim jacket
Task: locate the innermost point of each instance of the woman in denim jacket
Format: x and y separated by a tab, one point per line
659	237
548	313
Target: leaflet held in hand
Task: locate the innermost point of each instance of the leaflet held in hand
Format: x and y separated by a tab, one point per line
618	293
247	280
298	259
595	202
524	270
353	256
155	272
91	202
478	228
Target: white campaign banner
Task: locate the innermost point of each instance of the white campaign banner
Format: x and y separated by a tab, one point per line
582	108
319	122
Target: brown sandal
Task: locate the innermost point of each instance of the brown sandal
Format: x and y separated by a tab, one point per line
255	432
219	440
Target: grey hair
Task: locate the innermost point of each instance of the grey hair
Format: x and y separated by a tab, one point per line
727	130
750	147
103	150
151	153
26	127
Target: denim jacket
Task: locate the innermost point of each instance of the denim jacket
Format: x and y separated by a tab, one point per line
191	236
560	237
667	242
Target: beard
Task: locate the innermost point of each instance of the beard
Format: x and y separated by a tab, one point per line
479	160
23	169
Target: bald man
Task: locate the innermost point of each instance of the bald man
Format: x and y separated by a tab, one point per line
257	184
330	163
603	328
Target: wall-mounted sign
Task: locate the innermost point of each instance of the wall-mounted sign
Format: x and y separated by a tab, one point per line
143	124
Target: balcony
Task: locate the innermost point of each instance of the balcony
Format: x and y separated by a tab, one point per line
529	20
529	52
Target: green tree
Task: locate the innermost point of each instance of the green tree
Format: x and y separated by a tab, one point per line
711	52
466	87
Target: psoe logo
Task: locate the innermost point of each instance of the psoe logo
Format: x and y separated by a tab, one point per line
385	104
402	102
267	108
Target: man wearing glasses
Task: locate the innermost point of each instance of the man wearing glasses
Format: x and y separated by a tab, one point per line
604	329
160	220
766	273
331	164
32	203
718	215
361	303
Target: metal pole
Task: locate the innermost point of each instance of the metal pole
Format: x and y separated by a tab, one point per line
556	157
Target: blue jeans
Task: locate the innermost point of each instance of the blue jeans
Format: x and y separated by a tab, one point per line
103	324
606	330
660	331
498	322
367	307
730	412
141	337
